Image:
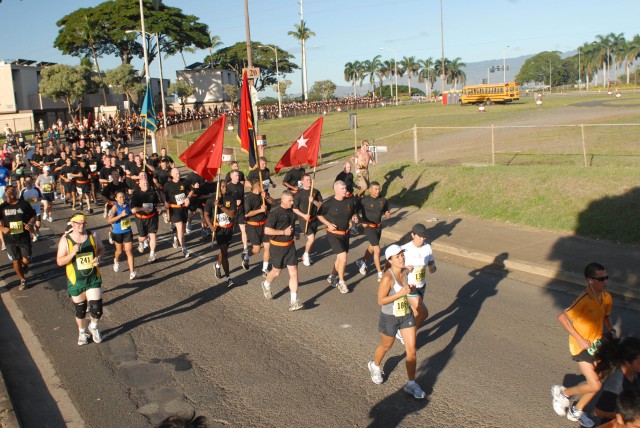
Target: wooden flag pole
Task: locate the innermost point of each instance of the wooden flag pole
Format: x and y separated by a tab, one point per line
313	182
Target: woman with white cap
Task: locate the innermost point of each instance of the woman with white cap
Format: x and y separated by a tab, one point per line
396	314
47	185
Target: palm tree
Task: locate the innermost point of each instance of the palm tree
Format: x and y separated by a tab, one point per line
603	46
589	62
216	41
351	74
410	66
425	73
455	72
371	68
391	71
632	52
382	72
442	69
362	71
302	34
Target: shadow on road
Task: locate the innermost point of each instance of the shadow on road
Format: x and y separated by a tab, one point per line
457	318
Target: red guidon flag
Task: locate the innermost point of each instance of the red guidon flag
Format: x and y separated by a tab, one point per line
205	155
303	151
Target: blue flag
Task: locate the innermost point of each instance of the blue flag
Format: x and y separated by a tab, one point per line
148	113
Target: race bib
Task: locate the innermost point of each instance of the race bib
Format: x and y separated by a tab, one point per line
180	198
401	307
33	200
46	188
16	227
265	184
69	176
147	206
223	219
93	168
417	275
125	223
300	184
84	261
79	190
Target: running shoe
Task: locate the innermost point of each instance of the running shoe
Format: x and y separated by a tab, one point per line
152	257
266	290
414	389
185	252
145	243
95	334
90	210
188	229
362	267
132	275
4	247
110	238
164	216
140	247
399	337
560	401
295	305
332	280
576	415
342	287
245	262
380	276
23	285
44	217
376	373
218	272
116	266
83	338
230	283
175	242
306	260
265	272
50	218
35	238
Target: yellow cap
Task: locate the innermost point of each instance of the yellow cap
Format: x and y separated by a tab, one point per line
78	217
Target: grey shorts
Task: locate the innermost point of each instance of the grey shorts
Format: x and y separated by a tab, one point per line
390	324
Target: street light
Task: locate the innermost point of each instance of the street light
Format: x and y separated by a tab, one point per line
275	50
395	66
504	64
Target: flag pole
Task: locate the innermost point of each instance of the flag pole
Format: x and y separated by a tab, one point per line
215	209
313	182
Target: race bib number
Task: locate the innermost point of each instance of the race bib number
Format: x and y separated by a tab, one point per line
46	188
79	190
93	168
223	219
33	200
299	184
84	261
16	227
417	275
266	184
147	206
401	307
125	223
69	176
180	198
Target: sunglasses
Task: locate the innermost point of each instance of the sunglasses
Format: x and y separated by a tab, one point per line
80	223
600	278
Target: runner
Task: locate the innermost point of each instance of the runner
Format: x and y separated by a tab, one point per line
5	179
335	214
68	174
263	173
220	222
302	201
627	413
235	188
83	185
371	208
584	321
347	177
293	179
17	219
33	196
160	177
395	315
361	160
80	251
418	257
177	192
47	184
145	205
280	227
257	204
121	233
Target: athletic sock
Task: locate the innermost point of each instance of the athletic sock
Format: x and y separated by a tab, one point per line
265	265
294	296
93	324
267	283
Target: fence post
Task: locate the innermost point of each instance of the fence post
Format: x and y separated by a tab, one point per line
415	144
493	147
584	146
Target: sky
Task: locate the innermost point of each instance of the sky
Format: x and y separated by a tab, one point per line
349	30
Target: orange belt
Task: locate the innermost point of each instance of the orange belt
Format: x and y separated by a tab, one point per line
371	225
175	206
337	232
349	194
146	216
256	223
229	226
280	244
82	181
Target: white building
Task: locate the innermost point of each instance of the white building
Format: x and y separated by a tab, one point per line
208	83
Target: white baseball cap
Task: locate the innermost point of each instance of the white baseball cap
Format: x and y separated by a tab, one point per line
392	250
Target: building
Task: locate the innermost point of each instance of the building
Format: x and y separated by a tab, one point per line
208	83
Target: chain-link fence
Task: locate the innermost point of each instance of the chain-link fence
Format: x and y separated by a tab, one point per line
562	145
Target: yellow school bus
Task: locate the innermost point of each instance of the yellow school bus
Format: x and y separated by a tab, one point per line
488	94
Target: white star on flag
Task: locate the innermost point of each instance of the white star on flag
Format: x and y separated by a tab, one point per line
302	142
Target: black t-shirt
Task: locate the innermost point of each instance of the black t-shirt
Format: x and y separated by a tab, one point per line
264	173
338	212
252	202
280	219
110	191
226	201
180	190
237	191
15	216
301	201
371	209
293	177
68	169
241	179
147	200
347	177
162	176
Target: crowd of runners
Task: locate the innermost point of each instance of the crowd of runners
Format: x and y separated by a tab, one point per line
133	191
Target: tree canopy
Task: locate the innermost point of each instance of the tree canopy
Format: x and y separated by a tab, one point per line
537	69
235	58
322	90
125	80
66	83
182	90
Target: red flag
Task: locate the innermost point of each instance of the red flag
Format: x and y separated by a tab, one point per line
205	155
246	132
303	151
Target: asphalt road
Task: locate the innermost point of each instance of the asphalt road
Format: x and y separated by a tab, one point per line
177	341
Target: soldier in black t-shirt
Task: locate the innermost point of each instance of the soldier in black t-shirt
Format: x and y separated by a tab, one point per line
236	189
347	177
145	205
68	174
293	179
161	175
371	208
263	174
256	206
17	220
306	207
220	221
280	228
177	192
234	167
335	213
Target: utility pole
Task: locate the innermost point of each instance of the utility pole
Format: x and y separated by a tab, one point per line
304	55
443	75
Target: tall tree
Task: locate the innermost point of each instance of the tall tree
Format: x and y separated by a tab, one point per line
322	89
66	83
390	66
426	74
456	72
216	42
410	67
235	58
302	33
371	68
182	90
382	72
631	53
538	67
443	69
351	74
125	80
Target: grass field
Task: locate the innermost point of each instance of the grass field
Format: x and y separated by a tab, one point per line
599	202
